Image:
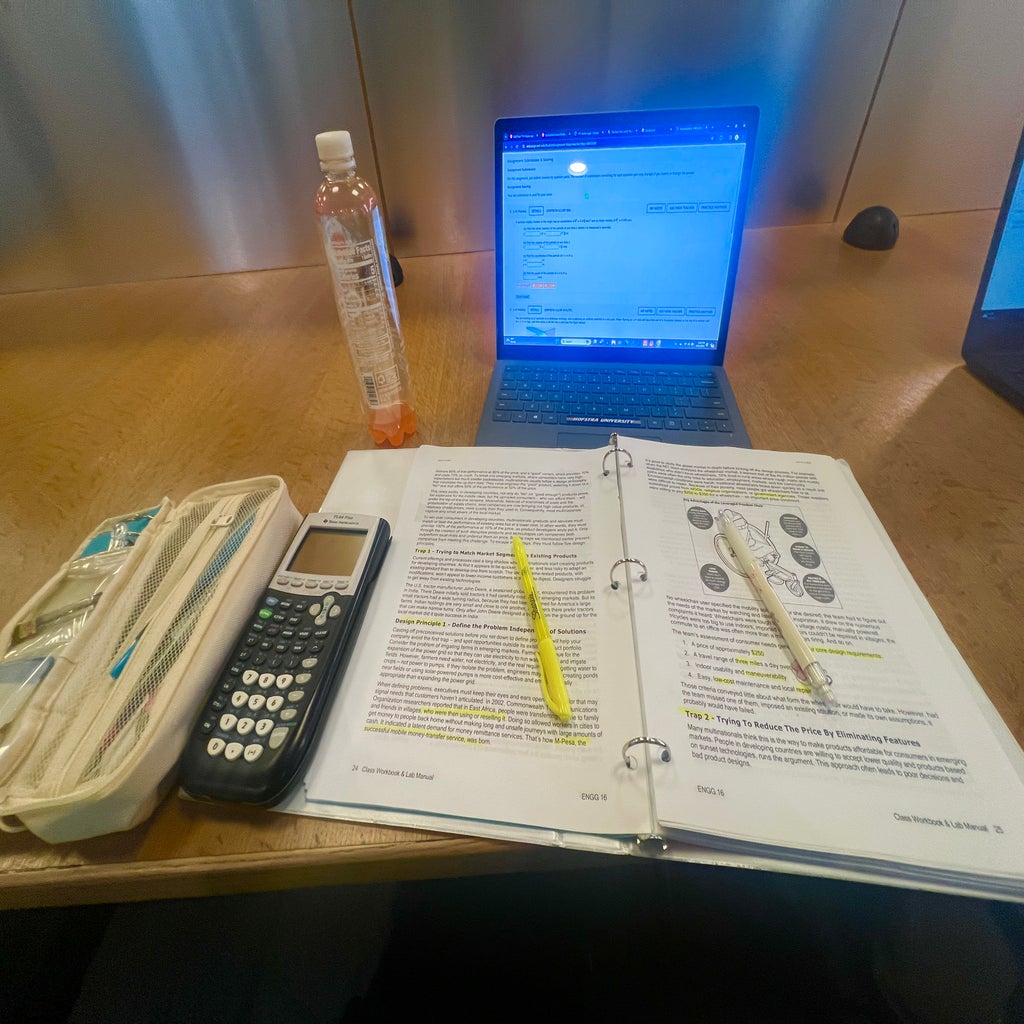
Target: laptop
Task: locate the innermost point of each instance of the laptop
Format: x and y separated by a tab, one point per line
617	238
994	344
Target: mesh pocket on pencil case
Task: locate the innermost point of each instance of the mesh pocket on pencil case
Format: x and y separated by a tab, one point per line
99	719
135	713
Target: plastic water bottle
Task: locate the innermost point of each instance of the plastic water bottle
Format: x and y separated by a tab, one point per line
357	256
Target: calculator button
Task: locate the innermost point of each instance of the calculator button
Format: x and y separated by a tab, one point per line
303	678
209	724
233	751
256	701
284	681
316	648
278	736
253	752
309	662
267	680
311	584
289	714
264	613
341	584
263	726
245	726
227	721
335	611
273	703
249	676
325	584
270	601
215	746
219	704
238	698
296	695
281	581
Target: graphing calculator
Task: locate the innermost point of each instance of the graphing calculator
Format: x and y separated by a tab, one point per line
259	722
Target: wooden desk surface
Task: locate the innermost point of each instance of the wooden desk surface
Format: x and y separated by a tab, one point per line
117	395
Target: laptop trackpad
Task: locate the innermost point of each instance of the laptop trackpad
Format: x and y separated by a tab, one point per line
581	440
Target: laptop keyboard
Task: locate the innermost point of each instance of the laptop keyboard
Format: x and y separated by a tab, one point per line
668	400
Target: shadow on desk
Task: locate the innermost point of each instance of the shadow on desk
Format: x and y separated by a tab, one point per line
629	941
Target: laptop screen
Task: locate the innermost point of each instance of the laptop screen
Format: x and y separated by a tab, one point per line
620	232
993	345
1005	287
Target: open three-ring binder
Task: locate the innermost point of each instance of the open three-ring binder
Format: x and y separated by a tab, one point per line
692	736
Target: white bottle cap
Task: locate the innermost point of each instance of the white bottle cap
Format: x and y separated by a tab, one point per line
335	149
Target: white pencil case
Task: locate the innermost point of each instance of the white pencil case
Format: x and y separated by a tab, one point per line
95	746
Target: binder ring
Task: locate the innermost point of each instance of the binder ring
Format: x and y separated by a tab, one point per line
666	753
623	561
614	442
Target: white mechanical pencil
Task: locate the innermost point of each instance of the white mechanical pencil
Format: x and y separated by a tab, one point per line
805	659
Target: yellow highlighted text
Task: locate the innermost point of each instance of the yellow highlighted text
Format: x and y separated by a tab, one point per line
499	716
409	731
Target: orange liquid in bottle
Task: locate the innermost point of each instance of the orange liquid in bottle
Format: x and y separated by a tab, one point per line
393	424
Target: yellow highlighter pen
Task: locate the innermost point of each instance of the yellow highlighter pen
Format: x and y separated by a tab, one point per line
552	684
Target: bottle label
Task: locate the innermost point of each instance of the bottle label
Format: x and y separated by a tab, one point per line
364	308
383	382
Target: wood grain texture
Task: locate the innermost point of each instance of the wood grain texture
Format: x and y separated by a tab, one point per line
115	396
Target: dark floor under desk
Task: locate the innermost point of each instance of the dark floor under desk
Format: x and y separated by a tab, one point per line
694	943
679	942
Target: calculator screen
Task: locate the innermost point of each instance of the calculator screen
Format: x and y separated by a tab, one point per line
328	552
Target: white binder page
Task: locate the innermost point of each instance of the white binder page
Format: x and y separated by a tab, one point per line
907	767
441	711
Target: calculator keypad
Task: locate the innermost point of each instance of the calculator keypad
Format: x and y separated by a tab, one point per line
259	702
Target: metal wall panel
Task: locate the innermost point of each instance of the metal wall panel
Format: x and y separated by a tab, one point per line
148	138
155	138
437	75
949	110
